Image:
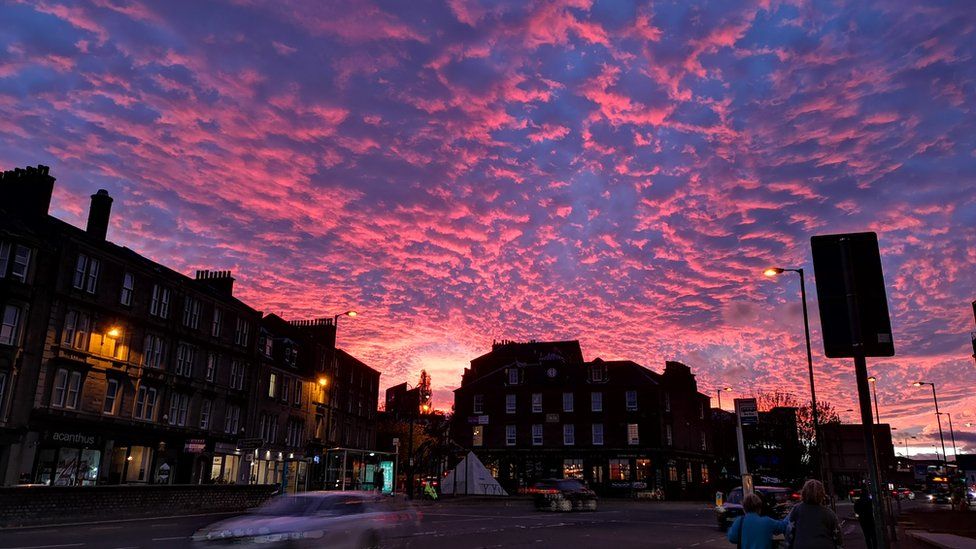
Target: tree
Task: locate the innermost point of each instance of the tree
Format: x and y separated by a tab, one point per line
804	416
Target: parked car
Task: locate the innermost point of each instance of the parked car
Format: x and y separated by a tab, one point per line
563	495
777	502
353	520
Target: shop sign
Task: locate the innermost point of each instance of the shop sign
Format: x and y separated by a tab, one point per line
73	439
552	418
195	445
225	448
482	420
250	443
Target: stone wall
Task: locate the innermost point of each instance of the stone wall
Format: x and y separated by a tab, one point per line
24	506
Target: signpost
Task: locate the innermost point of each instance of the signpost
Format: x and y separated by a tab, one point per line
855	324
746	413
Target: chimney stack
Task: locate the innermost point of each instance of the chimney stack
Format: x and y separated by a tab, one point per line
98	214
221	281
26	192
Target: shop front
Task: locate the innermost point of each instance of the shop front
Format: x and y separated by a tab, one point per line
68	458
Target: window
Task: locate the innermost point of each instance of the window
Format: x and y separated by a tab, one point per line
701	410
291	355
211	366
159	306
185	357
509	435
266	345
4	257
273	385
205	408
285	388
704	443
573	468
269	428
642	470
74	390
178	404
569	435
513	376
18	264
509	404
217	323
536	402
597	434
125	296
111	397
191	312
688	473
240	334
631	401
704	473
232	418
298	392
633	434
537	434
236	375
477	435
10	328
60	388
3	389
567	402
598	373
667	402
668	438
153	351
86	274
295	436
620	469
145	404
672	472
76	330
478	406
596	402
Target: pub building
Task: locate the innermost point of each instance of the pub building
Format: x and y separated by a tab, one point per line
537	410
113	368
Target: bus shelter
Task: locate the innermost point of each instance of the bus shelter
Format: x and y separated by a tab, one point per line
357	469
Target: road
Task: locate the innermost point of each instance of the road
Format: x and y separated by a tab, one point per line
449	524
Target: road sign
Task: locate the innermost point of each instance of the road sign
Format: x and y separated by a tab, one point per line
748	411
839	260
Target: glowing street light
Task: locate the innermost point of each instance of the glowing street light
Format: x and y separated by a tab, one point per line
874	389
350	314
719	393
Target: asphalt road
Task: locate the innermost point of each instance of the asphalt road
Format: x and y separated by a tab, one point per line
448	524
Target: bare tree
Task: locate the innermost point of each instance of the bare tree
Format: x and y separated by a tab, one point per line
804	415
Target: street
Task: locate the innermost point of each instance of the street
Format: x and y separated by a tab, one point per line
460	524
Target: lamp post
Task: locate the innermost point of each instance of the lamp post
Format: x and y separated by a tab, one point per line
952	436
719	393
938	418
771	272
350	314
874	389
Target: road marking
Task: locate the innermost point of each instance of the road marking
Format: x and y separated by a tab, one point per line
107	528
45	546
169	538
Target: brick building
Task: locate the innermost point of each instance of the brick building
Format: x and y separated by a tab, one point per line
538	410
117	369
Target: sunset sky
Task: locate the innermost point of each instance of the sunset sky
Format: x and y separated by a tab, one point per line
614	172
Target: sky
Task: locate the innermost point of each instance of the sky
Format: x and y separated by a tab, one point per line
461	172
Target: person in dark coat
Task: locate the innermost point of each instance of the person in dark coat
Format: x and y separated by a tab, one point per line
865	515
813	526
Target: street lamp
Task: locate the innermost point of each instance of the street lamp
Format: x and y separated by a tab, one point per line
350	314
874	389
952	435
774	271
938	417
719	393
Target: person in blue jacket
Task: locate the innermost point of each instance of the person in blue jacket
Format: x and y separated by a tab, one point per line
752	531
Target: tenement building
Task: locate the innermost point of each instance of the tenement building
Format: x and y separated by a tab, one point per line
117	369
537	410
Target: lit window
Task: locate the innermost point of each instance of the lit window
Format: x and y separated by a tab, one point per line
573	468
567	402
509	435
620	469
128	283
10	328
672	472
631	401
273	385
569	435
688	474
478	406
509	404
598	434
633	434
477	435
704	473
536	402
111	397
596	402
537	434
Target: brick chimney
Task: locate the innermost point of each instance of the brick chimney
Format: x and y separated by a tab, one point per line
98	214
26	192
221	281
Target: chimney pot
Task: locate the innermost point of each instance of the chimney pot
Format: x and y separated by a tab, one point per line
99	213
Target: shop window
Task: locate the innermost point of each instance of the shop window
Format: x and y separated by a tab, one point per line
112	393
633	434
620	469
509	435
688	474
66	466
597	434
569	435
704	473
597	472
86	274
159	305
642	470
537	434
137	466
672	472
536	402
478	404
10	328
509	404
128	284
631	401
596	401
145	408
573	468
567	402
77	326
478	435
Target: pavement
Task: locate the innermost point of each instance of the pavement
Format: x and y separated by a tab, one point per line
618	524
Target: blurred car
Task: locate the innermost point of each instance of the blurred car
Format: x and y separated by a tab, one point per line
563	495
777	502
903	492
855	493
938	497
353	520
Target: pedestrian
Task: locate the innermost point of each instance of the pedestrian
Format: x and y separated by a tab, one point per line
812	525
378	480
753	531
864	508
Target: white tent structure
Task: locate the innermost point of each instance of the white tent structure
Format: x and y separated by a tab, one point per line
470	477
